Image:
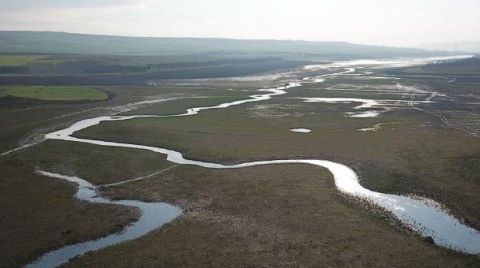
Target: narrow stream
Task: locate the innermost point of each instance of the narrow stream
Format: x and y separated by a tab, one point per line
153	216
423	216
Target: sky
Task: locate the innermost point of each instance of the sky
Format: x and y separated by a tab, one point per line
379	22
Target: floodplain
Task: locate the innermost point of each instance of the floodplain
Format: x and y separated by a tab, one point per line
414	136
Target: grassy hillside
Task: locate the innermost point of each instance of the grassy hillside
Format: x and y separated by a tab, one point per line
57	42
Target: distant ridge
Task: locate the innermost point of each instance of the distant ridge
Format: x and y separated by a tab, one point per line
71	43
469	46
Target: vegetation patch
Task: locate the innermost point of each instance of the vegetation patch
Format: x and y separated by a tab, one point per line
57	93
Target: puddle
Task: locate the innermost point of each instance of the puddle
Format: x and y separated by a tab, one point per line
301	130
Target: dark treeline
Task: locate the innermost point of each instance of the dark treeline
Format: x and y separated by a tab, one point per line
184	71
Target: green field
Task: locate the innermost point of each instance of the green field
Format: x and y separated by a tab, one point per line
51	93
18	60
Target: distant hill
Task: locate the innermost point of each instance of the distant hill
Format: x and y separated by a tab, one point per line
69	43
471	47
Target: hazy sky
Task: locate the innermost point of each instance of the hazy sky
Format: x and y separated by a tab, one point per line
383	22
